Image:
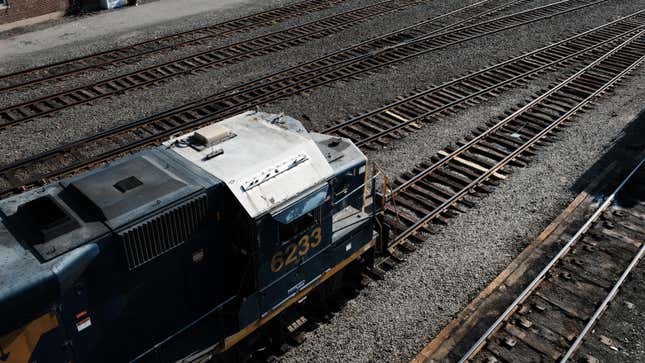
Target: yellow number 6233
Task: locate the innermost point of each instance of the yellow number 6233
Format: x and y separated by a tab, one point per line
290	254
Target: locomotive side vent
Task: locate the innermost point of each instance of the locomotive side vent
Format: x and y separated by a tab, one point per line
154	237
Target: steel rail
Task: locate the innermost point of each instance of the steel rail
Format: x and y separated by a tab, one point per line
227	28
384	37
49	104
479	93
110	133
402	45
407	99
285	75
401	237
254	85
224	55
536	281
272	95
76	163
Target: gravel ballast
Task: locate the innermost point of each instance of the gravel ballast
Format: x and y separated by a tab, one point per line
63	127
324	104
390	320
393	319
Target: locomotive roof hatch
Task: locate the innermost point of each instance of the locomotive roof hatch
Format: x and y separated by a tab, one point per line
266	160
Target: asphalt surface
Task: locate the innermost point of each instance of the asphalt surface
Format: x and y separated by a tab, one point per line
157	17
393	319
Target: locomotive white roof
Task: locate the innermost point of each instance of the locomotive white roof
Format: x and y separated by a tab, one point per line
266	160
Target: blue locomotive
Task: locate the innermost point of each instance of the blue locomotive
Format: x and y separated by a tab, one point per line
186	248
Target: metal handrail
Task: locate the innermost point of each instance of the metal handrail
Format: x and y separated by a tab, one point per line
360	187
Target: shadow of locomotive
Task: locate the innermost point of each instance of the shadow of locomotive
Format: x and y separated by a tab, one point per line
626	151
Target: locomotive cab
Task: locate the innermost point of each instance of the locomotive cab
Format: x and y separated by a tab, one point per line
302	194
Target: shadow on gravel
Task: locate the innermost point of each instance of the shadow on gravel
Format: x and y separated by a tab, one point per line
625	150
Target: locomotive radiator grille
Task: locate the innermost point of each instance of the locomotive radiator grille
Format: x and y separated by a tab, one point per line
154	237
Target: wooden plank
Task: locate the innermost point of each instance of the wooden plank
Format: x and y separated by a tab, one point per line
403	119
472	165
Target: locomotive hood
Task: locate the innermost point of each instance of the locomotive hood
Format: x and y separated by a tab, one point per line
266	160
52	235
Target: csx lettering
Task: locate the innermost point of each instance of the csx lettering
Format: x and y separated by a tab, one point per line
294	250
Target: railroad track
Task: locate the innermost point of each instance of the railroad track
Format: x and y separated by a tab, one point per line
346	64
121	55
440	188
221	56
18	113
408	114
551	317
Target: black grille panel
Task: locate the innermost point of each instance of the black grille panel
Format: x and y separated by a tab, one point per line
154	237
